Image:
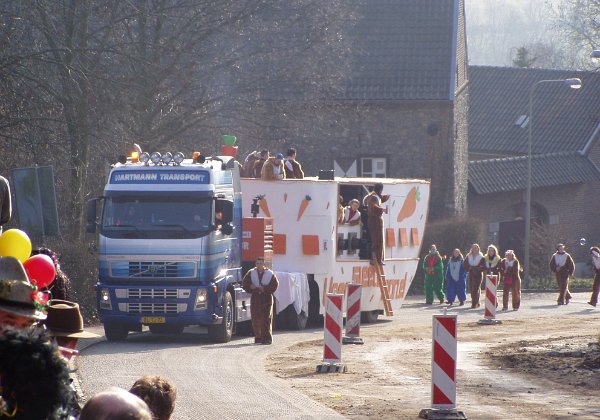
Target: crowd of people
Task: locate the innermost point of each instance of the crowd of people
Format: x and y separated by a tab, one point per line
39	332
272	168
462	274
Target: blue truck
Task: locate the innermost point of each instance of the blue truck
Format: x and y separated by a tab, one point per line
169	245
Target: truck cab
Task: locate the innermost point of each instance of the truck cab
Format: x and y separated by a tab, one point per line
169	245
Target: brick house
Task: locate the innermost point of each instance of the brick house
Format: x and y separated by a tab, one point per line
565	160
402	111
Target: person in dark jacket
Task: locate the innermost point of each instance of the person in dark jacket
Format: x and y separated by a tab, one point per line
293	169
5	202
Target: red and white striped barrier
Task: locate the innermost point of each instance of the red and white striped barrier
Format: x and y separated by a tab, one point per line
443	369
352	335
443	362
491	302
332	343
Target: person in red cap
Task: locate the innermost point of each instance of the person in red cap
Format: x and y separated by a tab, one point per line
562	265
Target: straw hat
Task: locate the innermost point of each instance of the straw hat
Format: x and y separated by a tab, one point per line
17	294
65	320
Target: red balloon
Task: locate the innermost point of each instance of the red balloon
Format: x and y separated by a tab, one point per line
40	270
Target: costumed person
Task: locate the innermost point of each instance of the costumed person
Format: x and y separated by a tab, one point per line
259	163
247	169
351	214
456	278
475	266
5	202
373	201
273	169
60	288
595	253
510	271
340	210
21	305
492	259
293	169
262	283
434	275
562	265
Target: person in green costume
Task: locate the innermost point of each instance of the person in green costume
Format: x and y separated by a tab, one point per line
434	275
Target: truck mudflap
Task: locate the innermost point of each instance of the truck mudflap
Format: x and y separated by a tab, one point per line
242	305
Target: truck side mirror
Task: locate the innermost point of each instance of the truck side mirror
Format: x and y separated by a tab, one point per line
90	227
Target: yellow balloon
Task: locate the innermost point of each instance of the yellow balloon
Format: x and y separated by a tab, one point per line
15	243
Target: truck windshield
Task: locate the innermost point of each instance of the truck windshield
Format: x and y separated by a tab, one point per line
156	215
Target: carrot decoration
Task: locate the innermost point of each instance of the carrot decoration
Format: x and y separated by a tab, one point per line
285	197
410	204
303	206
264	206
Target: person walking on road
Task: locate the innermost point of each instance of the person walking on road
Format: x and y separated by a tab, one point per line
492	259
475	266
510	270
456	278
434	275
262	283
562	265
595	253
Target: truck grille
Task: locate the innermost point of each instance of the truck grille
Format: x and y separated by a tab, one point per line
153	269
155	308
152	293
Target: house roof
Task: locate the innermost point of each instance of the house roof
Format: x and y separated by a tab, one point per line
510	174
403	50
564	119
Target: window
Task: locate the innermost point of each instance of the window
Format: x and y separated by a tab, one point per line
373	167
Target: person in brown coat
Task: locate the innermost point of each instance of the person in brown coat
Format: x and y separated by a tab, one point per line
475	266
273	169
262	283
375	212
293	169
259	163
562	265
595	253
510	270
247	169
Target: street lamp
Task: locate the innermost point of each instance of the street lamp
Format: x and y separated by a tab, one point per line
573	83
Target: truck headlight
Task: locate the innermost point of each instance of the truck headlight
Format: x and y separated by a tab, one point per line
105	299
201	299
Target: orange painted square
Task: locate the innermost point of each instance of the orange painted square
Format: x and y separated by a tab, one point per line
310	244
403	237
356	275
390	237
279	243
414	233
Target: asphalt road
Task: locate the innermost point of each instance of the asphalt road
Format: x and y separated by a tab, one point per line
228	381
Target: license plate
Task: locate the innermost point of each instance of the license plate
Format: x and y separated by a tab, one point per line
153	320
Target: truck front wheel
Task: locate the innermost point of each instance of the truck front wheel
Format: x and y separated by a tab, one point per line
221	333
115	332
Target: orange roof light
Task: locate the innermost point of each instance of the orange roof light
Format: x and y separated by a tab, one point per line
195	155
135	157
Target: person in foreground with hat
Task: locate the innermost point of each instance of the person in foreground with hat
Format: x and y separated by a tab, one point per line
65	324
273	169
562	265
21	304
595	254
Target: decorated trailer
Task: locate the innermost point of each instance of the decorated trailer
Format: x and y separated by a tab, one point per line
308	238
